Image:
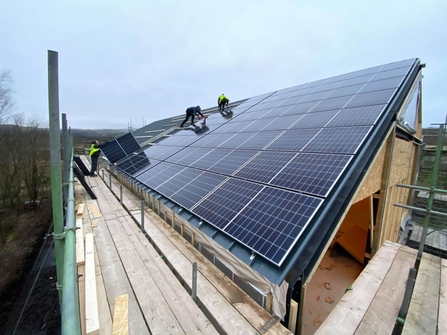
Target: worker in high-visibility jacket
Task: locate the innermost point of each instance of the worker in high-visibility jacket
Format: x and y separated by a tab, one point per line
95	151
222	101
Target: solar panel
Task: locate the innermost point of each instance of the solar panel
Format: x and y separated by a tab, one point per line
188	155
357	116
158	174
265	166
315	120
371	98
161	152
311	173
113	151
262	175
341	140
293	140
128	143
231	162
260	140
211	157
133	165
272	222
178	181
189	195
282	122
220	206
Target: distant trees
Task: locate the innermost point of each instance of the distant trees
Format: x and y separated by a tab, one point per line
6	98
24	163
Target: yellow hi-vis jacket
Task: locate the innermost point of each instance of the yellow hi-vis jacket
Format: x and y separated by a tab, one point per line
93	150
221	98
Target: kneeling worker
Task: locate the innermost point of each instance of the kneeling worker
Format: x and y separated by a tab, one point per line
191	112
222	101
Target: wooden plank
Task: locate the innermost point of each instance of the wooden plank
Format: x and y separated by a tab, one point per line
348	313
293	312
442	313
115	278
422	317
382	313
158	315
80	210
174	247
81	292
95	223
221	285
91	299
187	312
121	315
105	316
80	255
94	209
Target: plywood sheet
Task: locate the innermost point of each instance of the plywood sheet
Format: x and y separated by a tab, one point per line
354	242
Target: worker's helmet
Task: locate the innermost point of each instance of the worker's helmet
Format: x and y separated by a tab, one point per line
198	108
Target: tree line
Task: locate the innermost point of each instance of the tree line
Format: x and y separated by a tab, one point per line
24	158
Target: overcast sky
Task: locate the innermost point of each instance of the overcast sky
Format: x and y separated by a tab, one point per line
122	60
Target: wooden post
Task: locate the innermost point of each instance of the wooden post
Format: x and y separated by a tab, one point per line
194	281
269	302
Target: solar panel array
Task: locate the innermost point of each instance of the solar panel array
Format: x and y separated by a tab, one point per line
261	176
121	147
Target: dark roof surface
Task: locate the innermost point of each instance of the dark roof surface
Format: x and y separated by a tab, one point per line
271	181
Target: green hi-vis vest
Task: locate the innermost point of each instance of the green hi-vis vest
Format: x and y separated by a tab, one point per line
93	150
222	97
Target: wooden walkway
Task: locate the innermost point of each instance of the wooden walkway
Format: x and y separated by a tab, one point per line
372	306
148	285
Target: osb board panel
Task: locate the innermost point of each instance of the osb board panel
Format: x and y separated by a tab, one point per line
371	182
401	161
394	215
358	215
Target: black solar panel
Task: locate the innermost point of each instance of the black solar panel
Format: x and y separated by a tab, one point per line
189	195
159	174
121	147
271	223
311	173
262	175
135	164
233	161
113	151
341	140
161	152
293	140
178	181
128	143
315	120
210	158
357	116
224	203
265	166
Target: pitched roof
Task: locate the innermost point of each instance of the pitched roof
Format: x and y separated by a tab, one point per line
271	183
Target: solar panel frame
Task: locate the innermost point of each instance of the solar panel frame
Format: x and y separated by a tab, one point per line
343	140
128	143
310	173
272	222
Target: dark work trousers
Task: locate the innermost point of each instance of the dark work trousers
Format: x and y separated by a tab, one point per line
94	164
188	114
223	104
